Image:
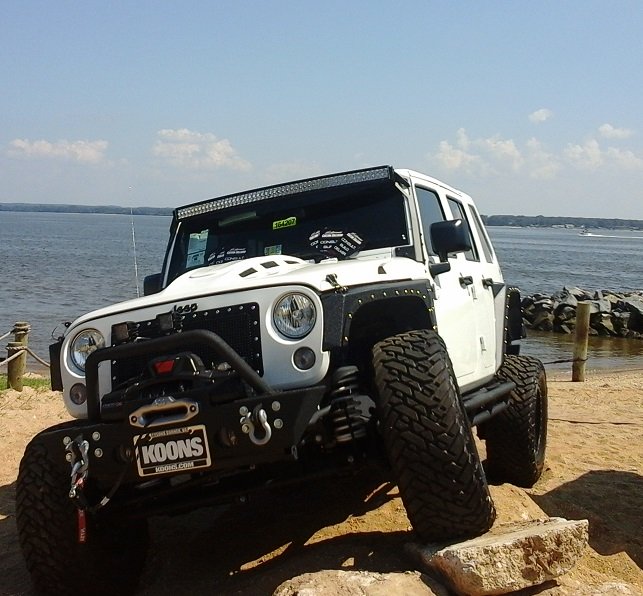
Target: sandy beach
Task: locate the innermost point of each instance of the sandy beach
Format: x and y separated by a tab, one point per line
594	470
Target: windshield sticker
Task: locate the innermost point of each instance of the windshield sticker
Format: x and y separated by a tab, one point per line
227	255
289	222
195	259
336	243
197	241
196	248
272	250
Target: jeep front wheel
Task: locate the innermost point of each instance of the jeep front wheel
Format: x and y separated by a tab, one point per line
428	438
109	562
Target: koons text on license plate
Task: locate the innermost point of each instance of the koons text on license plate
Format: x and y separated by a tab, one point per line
172	450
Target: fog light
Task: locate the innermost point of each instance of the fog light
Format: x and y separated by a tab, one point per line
78	394
304	358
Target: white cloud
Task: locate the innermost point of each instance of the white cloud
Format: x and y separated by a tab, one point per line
475	156
196	151
498	156
541	164
608	131
626	160
92	152
503	151
454	158
540	115
589	155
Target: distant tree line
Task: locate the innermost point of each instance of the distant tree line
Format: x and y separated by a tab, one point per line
542	221
108	209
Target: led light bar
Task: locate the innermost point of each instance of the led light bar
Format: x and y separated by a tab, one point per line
290	188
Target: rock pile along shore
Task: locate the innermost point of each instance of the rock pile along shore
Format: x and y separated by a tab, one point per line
616	314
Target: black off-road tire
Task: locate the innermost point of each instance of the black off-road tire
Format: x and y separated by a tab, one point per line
111	560
517	437
428	438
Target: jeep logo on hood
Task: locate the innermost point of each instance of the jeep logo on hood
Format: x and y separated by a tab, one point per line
185	308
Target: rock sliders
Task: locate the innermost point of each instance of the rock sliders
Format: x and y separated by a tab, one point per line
616	314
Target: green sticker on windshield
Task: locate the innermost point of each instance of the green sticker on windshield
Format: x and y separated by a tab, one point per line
289	222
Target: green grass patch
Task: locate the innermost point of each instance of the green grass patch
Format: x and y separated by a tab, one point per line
27	381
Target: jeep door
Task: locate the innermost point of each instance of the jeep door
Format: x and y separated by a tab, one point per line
455	317
484	274
464	316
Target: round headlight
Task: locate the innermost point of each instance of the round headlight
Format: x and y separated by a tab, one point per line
294	316
86	342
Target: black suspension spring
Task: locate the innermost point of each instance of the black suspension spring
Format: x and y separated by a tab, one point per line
348	420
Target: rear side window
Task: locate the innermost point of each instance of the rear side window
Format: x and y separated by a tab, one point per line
430	212
457	209
482	234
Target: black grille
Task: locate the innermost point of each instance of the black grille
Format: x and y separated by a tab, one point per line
238	326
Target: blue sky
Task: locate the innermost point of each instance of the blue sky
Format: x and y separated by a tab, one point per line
531	107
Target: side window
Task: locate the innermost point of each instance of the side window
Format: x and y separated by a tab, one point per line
482	234
430	212
457	209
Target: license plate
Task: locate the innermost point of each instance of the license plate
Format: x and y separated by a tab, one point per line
172	450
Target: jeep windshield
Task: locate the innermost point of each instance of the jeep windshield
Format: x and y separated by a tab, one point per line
331	223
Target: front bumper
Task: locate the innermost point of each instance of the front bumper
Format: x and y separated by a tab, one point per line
201	430
125	451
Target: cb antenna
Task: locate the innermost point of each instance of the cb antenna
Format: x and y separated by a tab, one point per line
131	214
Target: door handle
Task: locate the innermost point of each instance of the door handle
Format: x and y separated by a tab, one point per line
487	282
466	280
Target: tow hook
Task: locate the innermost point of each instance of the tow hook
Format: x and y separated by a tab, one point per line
78	456
251	421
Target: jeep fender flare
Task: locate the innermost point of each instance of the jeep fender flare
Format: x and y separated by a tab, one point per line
355	319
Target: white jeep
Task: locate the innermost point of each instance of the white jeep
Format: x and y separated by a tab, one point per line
321	325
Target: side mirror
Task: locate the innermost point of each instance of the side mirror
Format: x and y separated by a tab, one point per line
448	237
152	284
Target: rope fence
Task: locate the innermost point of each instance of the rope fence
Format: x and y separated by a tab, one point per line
28	351
17	352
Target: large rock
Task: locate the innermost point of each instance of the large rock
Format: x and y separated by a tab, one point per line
544	321
359	583
564	298
633	305
578	293
596	306
602	322
510	557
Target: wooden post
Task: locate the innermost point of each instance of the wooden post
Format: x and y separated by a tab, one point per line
580	341
21	331
17	368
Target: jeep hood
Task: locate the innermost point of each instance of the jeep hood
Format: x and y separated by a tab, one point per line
279	270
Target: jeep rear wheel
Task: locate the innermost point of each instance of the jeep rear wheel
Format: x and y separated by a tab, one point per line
516	438
428	438
111	560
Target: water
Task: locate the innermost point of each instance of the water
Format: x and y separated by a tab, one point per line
58	266
546	259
